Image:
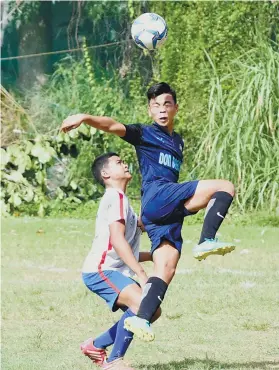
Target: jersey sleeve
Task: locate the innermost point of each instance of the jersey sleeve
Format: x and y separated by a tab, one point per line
117	210
133	134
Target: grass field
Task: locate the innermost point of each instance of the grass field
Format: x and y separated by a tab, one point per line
221	313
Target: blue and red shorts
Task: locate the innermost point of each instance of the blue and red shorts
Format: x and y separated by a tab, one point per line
108	284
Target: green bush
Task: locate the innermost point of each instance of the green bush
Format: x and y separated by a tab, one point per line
62	167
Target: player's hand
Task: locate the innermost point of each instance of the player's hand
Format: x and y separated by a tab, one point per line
142	279
140	224
72	122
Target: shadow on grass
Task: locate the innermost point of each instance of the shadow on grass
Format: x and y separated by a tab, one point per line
207	364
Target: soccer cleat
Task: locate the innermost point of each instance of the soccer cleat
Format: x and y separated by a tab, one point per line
97	355
212	246
140	327
118	364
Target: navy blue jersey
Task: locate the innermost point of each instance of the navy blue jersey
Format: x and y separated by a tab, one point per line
159	153
162	204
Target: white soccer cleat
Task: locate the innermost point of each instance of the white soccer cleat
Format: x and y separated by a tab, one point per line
140	327
212	246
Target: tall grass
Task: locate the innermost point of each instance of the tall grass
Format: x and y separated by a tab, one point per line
240	141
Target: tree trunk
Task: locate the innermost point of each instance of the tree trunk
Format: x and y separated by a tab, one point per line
35	37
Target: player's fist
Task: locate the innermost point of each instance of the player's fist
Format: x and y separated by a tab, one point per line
140	224
72	122
142	280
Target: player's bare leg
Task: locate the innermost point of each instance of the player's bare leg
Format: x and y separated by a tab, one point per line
217	196
165	259
129	297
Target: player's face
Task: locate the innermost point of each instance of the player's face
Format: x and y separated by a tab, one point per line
163	109
116	169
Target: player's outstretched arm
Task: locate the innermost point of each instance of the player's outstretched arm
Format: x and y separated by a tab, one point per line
106	124
124	251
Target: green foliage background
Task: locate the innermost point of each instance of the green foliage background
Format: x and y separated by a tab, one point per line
221	57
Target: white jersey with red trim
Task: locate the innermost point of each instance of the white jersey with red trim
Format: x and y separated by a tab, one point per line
114	206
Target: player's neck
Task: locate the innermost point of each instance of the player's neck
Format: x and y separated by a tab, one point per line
120	185
170	128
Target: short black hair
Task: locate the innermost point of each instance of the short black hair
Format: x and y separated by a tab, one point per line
159	89
98	164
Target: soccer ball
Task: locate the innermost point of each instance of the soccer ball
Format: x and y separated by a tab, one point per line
149	31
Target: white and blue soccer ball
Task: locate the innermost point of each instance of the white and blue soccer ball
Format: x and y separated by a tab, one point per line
149	31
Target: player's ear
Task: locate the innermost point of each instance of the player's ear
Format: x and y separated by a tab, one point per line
176	107
105	174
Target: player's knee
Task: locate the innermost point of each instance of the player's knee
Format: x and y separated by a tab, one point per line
227	186
134	303
230	188
134	307
169	272
165	262
166	272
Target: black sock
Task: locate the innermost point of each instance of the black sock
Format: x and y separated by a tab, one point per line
216	211
153	295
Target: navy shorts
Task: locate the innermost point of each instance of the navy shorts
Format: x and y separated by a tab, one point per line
108	284
163	211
